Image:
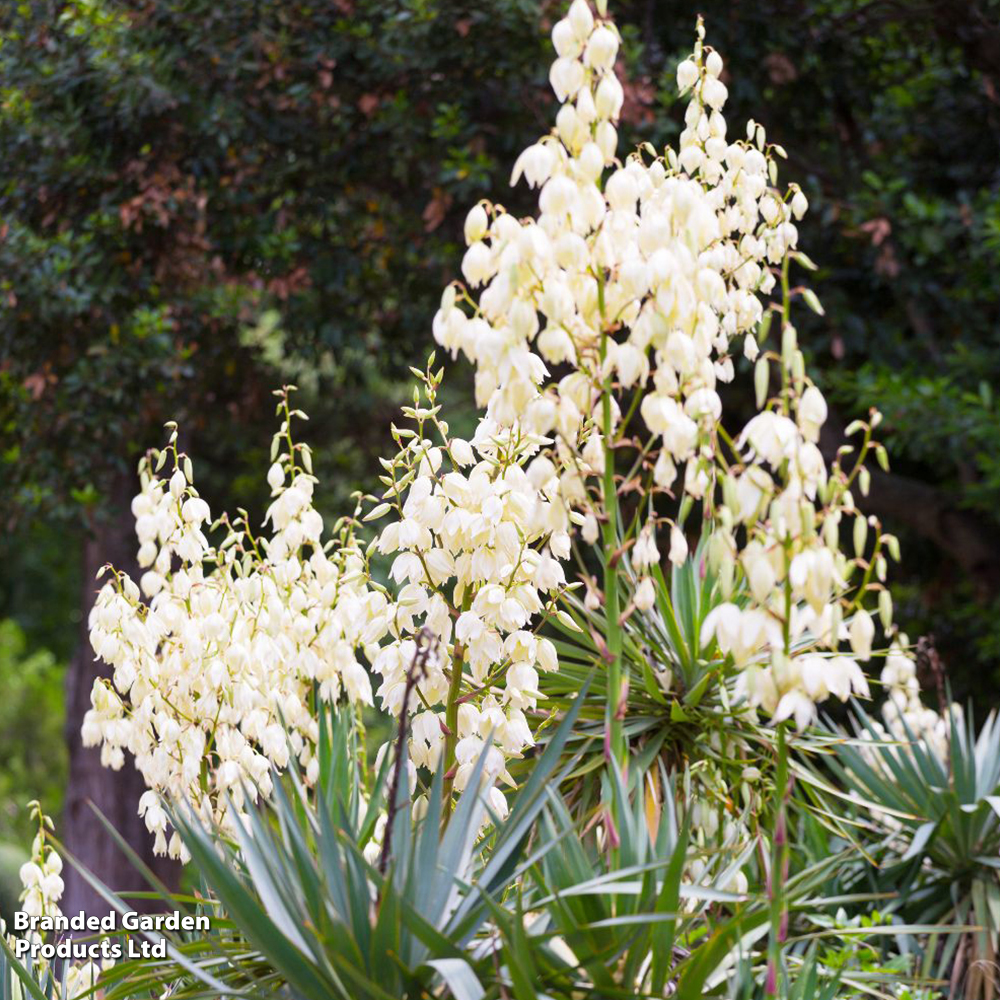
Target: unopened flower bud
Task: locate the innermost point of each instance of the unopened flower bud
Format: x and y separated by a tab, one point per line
645	594
862	633
476	225
581	19
687	75
678	546
609	97
601	49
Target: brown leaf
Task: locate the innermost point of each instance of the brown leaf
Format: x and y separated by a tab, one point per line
780	68
287	285
436	209
367	104
878	229
462	26
35	384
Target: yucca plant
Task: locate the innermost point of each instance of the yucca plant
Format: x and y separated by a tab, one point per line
667	670
303	913
933	817
544	904
680	703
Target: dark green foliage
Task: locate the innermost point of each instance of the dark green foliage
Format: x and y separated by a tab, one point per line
184	166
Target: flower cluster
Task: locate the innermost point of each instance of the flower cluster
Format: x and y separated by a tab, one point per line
787	633
476	535
217	653
637	277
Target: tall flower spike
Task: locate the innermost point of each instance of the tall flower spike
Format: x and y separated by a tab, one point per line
217	650
637	277
475	530
642	272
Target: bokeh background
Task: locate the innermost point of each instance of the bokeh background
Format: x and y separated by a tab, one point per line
201	201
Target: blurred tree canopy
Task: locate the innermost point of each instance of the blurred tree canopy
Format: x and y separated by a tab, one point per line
199	201
175	169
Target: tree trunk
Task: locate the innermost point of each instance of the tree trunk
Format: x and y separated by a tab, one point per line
114	793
